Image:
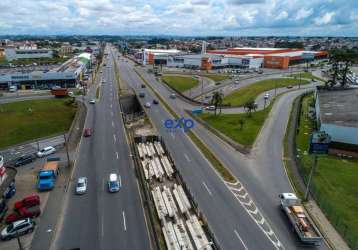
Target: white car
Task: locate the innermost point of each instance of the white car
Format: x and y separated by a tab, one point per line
266	96
147	105
81	186
46	151
16	228
92	101
212	107
114	183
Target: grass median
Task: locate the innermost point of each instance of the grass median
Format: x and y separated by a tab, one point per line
97	92
251	92
229	125
307	75
29	120
180	83
216	78
335	181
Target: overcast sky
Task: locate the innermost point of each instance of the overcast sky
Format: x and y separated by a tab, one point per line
180	17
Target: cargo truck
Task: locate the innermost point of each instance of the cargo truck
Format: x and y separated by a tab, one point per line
298	217
47	176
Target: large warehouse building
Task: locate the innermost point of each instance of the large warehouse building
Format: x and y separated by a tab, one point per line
66	75
279	58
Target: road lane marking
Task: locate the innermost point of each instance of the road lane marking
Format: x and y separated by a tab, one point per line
110	105
111	113
124	221
242	242
207	189
117	155
112	124
172	135
187	157
114	138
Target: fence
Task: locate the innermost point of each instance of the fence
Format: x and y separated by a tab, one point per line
328	209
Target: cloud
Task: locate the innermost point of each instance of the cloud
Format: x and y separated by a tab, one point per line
325	19
180	17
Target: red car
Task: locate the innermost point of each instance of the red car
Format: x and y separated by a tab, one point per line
28	201
87	132
23	213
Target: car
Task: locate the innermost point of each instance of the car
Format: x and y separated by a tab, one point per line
114	183
142	86
101	72
46	151
147	105
173	96
16	228
212	107
24	159
81	187
87	132
266	96
103	82
289	86
155	101
141	95
92	101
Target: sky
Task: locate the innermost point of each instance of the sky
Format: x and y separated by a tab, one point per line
180	17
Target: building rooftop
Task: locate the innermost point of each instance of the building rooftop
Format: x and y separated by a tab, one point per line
339	107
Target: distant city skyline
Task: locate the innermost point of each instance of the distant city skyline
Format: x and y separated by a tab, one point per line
180	17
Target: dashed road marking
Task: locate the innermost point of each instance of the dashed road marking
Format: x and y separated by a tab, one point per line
207	189
112	124
187	157
124	221
242	242
114	138
117	155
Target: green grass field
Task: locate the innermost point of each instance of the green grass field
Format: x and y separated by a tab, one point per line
335	180
307	75
180	83
245	94
228	124
28	120
217	78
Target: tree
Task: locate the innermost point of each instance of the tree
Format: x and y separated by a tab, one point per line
217	100
250	106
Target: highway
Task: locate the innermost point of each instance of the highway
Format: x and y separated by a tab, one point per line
261	172
230	222
98	219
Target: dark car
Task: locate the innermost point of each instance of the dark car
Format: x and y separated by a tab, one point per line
155	101
25	159
87	132
142	86
141	95
3	208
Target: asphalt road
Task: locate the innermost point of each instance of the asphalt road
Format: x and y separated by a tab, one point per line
261	173
230	222
98	219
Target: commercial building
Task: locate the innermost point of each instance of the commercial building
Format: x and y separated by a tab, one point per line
279	58
213	61
68	74
65	50
337	115
155	56
12	53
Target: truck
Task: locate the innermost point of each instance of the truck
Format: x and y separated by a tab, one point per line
59	92
47	176
299	219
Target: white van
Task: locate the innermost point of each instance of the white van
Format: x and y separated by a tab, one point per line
13	88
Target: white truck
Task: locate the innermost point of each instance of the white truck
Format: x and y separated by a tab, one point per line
301	222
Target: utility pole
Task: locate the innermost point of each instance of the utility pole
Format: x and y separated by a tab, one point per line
18	241
313	170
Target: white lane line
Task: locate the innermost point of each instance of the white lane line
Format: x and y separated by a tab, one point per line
112	124
117	155
210	193
187	157
110	105
172	135
242	242
111	113
124	221
114	138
